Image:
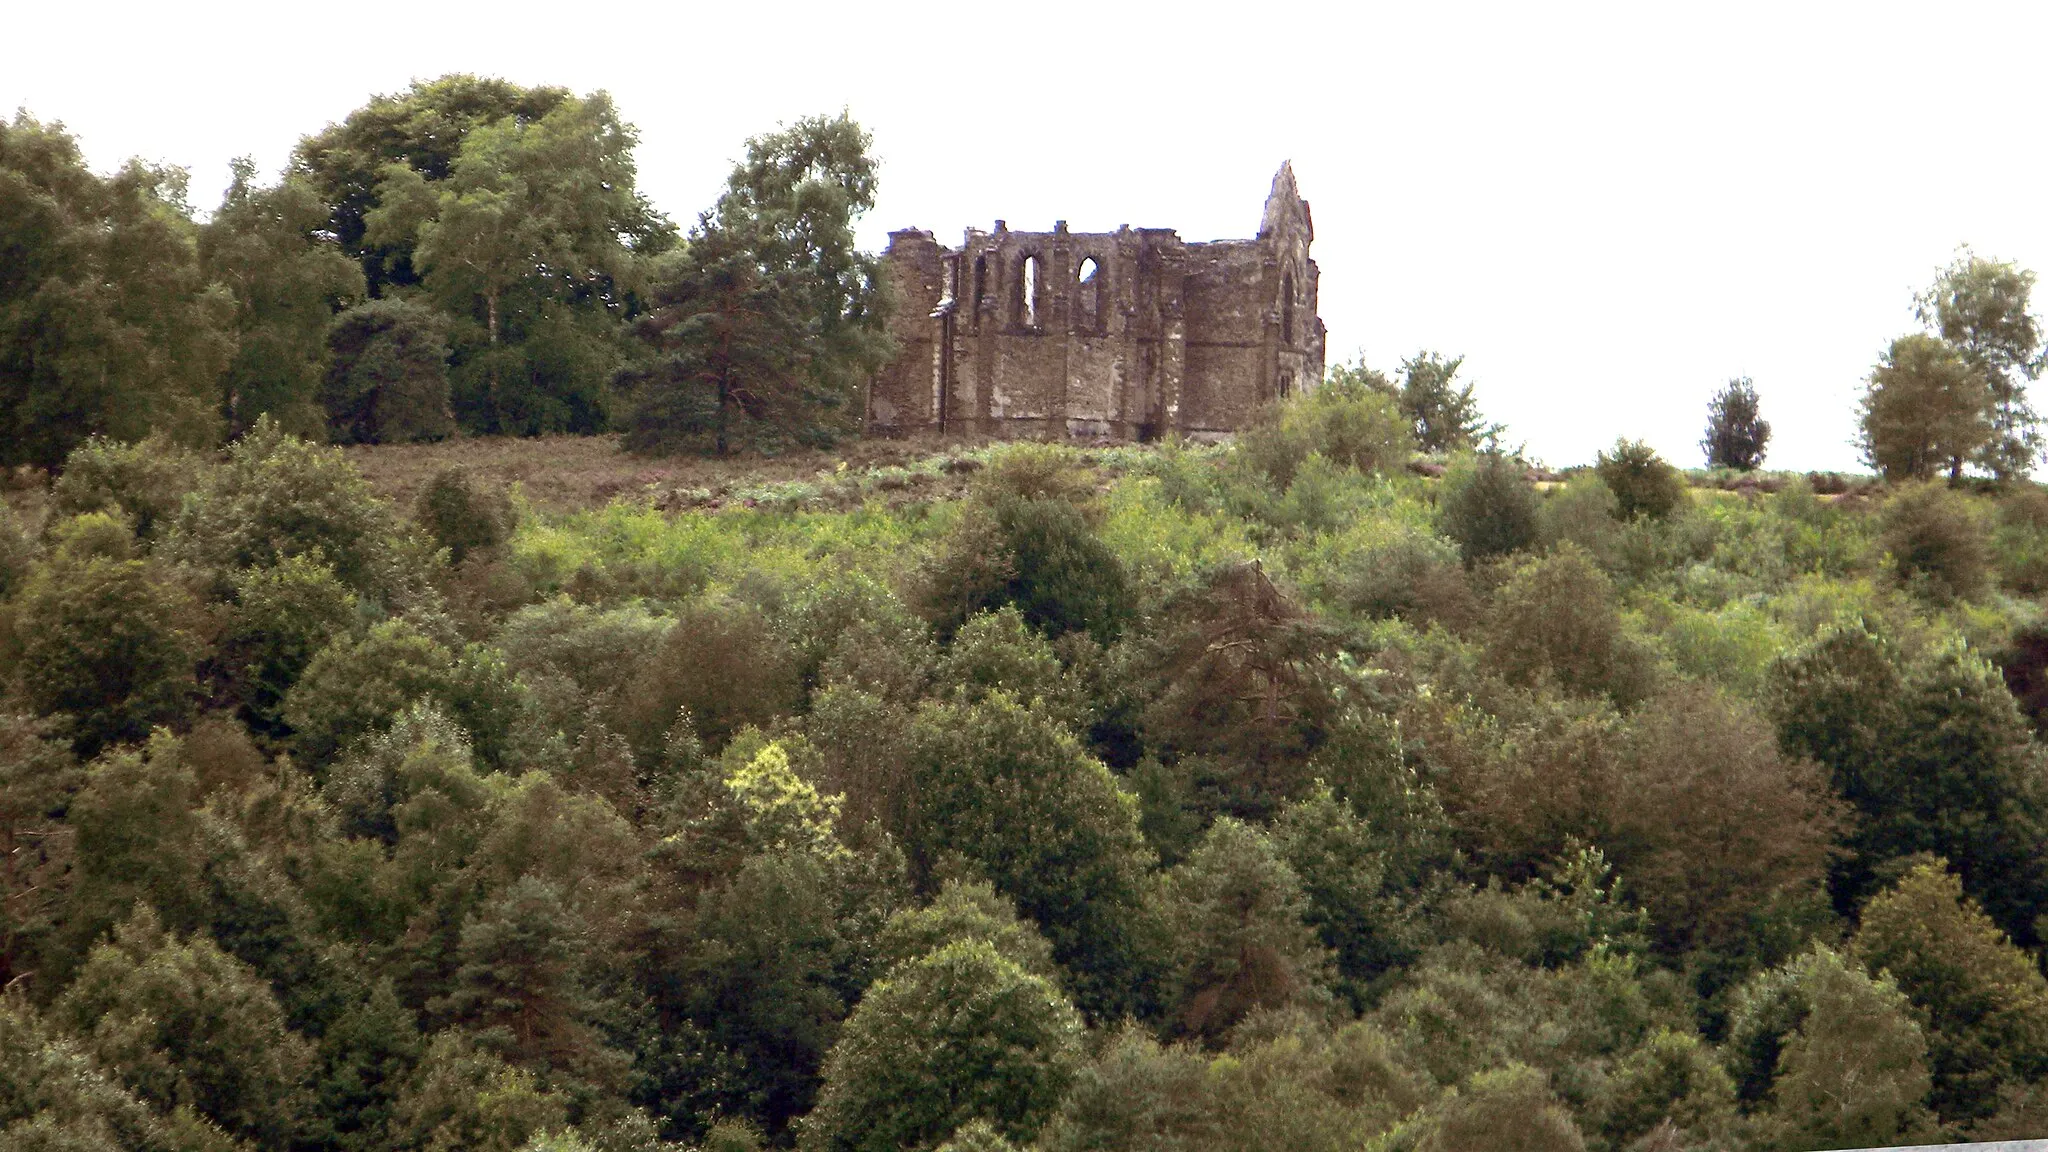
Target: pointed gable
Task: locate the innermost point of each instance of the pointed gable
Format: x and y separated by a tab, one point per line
1285	207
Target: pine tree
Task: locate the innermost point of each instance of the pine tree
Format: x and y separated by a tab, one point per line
767	323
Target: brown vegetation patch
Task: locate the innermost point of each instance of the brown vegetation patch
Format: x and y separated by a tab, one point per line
563	473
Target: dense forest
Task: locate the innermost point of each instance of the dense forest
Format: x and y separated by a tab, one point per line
1355	785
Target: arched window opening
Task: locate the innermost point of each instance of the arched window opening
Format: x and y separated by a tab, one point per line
980	285
1088	296
1287	309
1029	286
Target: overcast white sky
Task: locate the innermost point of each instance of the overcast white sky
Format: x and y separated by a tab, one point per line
1609	209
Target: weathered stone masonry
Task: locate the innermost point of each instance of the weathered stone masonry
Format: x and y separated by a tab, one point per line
1128	334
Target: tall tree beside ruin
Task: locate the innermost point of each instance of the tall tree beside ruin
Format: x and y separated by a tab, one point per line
766	326
1737	433
1982	308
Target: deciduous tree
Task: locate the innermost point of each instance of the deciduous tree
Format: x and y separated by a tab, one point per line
107	324
269	248
1446	415
185	1025
1982	1001
109	641
531	235
1014	793
1925	409
1983	309
958	1035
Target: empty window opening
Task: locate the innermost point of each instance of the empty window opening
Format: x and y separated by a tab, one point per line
1088	296
1287	310
1030	287
1286	385
980	282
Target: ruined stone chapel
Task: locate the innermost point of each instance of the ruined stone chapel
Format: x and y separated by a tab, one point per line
1128	334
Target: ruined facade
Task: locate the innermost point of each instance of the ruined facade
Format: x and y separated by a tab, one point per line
1129	334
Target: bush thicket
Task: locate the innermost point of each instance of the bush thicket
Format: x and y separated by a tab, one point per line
1644	485
1139	798
1488	507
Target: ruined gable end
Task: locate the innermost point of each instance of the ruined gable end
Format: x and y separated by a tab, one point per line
1129	334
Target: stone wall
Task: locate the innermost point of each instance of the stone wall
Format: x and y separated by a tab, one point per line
1127	334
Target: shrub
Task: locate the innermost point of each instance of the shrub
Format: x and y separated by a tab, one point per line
17	553
856	629
2020	540
356	687
1407	573
997	650
279	496
146	482
577	657
1349	424
1488	507
1642	483
1583	512
1936	545
459	517
109	642
1031	471
1509	1109
462	1095
1036	554
1674	1079
723	663
1732	648
283	616
1285	1083
1556	619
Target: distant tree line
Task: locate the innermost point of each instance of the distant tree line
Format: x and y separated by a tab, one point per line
468	255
